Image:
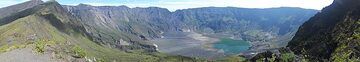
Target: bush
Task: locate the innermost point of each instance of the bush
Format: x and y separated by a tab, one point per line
40	46
287	57
79	52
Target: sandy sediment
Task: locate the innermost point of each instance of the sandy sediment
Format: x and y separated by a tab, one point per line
188	44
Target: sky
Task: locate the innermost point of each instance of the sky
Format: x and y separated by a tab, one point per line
173	5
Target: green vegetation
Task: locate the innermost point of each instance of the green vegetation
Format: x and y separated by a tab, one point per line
6	48
40	46
287	57
273	58
45	36
344	53
341	57
79	52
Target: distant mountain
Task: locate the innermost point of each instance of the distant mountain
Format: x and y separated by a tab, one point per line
332	34
6	11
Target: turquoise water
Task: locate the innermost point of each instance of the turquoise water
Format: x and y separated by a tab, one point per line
231	46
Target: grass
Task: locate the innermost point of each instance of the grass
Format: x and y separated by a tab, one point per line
4	48
7	48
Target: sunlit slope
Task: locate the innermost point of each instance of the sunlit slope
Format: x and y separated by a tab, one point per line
47	29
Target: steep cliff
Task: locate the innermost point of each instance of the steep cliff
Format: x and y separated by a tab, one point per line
120	25
332	34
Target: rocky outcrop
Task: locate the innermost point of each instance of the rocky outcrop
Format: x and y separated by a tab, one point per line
331	34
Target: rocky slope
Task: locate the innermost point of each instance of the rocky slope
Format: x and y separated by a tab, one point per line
121	26
332	34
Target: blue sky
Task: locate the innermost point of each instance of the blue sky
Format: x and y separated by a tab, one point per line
184	4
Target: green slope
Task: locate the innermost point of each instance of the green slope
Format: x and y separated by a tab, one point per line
47	28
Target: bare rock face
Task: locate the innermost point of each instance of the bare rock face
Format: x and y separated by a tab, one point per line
119	24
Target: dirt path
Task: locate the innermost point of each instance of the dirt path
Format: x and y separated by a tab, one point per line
25	55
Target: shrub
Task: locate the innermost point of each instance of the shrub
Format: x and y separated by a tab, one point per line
79	52
288	57
40	46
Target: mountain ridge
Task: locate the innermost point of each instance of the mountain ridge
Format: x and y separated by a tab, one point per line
332	35
101	31
159	20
